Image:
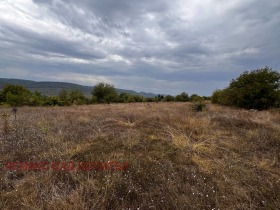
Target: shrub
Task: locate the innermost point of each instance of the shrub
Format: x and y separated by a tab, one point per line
16	95
195	97
199	106
53	101
257	89
105	93
168	98
183	97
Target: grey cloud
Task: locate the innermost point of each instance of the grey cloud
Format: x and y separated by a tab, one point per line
43	1
43	44
147	39
125	8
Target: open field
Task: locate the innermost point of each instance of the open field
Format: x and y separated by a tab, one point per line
222	158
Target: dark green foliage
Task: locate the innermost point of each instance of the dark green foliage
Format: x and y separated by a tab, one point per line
216	96
16	95
199	106
105	93
195	97
135	98
2	97
37	99
77	97
138	98
123	97
151	99
183	97
205	98
257	89
223	97
277	103
169	98
158	98
72	97
128	98
53	101
64	97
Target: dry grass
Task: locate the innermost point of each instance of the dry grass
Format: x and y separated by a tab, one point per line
222	158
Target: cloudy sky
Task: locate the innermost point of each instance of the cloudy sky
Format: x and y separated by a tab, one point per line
158	46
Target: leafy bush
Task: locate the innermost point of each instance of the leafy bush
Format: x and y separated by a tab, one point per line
195	97
16	95
105	93
64	97
168	98
257	89
128	98
199	106
53	101
183	97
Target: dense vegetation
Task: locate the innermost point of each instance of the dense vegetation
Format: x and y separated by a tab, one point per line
257	89
17	95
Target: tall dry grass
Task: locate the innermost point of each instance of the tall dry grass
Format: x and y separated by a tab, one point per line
222	158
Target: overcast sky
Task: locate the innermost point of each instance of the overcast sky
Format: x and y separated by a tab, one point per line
158	46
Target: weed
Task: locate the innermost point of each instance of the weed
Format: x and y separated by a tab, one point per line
199	106
225	158
5	117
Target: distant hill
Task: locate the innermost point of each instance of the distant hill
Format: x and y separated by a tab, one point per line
53	88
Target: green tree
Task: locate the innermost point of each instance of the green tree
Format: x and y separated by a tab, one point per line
2	97
93	100
16	95
53	101
138	98
130	98
37	99
257	89
77	97
105	93
223	97
15	100
169	98
64	97
277	104
195	97
123	97
183	97
159	98
216	95
149	99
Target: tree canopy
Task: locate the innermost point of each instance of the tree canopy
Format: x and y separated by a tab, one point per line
16	95
105	93
183	97
256	89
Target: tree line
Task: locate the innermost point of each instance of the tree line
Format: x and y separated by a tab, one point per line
17	95
256	89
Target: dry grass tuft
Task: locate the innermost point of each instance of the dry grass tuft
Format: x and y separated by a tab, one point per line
221	158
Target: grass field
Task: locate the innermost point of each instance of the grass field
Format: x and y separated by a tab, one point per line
222	158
